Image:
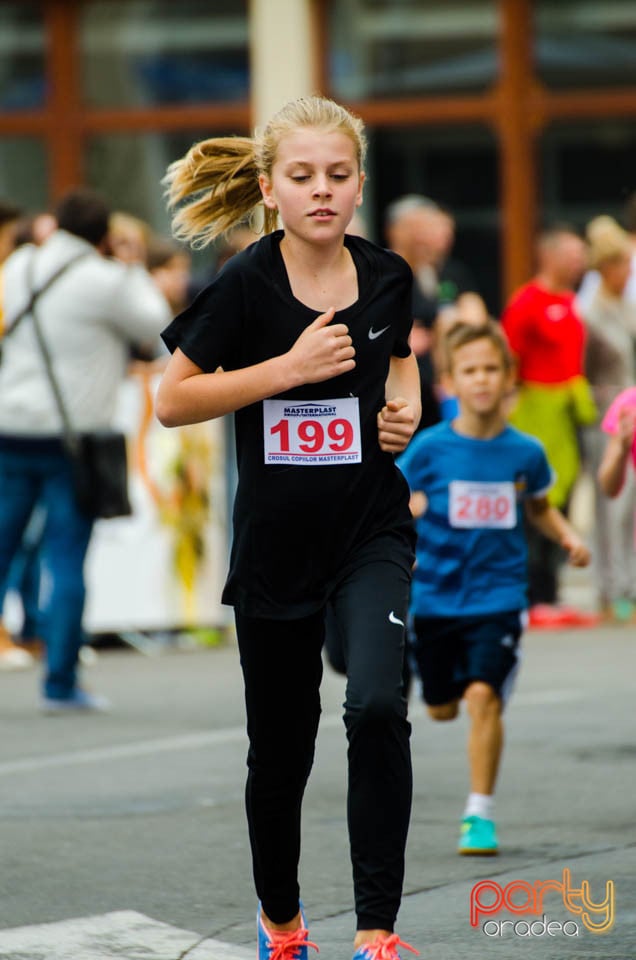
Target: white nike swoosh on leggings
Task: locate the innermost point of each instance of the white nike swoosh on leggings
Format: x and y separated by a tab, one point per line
394	619
374	334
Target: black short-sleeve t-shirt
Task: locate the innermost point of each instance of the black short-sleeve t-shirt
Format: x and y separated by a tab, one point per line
301	518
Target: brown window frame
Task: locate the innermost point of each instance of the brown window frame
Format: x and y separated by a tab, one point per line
517	108
65	121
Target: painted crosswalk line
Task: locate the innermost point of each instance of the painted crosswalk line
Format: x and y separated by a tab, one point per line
113	936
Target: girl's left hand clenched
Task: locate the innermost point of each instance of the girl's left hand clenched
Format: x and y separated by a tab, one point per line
396	425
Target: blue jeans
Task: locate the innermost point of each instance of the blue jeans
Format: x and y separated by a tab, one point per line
37	472
25	576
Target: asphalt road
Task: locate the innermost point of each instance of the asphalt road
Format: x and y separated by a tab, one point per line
142	810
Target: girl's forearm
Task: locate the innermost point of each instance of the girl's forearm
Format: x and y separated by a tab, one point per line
205	396
404	381
611	473
551	523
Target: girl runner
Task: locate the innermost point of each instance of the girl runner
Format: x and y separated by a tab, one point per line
304	335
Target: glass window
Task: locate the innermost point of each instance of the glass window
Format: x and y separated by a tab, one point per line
401	48
586	43
23	172
22	85
148	52
458	169
587	169
128	168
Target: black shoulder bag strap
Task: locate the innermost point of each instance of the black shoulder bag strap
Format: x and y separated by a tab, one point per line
36	294
71	438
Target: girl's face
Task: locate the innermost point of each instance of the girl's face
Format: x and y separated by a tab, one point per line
315	184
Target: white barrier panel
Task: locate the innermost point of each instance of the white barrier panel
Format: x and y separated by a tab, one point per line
162	568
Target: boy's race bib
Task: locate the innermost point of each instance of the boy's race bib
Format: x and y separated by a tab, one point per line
308	433
473	504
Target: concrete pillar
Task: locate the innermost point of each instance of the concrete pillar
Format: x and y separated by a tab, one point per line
281	53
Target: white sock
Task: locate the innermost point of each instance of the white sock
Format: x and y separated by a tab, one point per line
480	805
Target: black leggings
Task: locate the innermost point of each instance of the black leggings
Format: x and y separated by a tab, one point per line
282	668
545	559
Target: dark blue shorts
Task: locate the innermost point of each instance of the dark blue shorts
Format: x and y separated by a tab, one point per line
451	652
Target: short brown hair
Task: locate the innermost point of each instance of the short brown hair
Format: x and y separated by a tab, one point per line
461	334
83	213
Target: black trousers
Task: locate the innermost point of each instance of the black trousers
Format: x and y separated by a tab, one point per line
282	669
334	652
545	559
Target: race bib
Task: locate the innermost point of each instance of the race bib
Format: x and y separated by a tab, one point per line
473	504
308	433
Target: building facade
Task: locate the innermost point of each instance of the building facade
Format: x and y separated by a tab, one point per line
512	113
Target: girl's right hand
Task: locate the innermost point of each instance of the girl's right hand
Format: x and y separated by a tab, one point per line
322	351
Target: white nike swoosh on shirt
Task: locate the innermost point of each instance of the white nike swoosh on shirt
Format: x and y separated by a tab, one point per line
374	334
394	619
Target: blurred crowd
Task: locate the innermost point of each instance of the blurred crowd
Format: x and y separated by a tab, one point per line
106	286
572	331
571	327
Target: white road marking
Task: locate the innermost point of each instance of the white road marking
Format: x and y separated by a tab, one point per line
211	738
112	936
139	748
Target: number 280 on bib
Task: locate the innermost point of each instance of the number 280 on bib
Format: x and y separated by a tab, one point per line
482	505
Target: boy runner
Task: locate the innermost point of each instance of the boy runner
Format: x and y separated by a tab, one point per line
471	481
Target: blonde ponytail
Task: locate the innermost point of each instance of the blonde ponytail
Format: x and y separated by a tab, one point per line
218	179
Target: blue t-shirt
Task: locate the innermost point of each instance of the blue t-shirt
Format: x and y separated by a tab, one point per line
471	548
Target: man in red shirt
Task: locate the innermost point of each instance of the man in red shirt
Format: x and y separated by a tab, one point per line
547	337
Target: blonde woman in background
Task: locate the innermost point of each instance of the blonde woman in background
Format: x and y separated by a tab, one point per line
128	238
610	368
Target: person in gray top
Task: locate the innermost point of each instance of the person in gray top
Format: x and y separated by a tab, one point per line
91	316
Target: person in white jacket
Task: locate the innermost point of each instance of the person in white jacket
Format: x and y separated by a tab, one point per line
90	317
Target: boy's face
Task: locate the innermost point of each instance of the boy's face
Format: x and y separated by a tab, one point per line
479	377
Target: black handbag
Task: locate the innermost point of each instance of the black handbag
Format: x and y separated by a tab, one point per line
100	462
101	474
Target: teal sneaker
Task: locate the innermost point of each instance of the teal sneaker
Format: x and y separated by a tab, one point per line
278	945
383	948
478	838
622	610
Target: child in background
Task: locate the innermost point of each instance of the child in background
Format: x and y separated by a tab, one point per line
170	266
620	423
471	480
468	308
